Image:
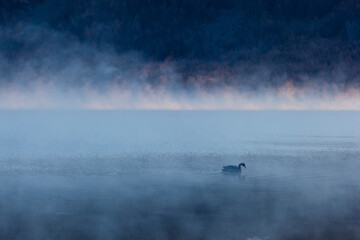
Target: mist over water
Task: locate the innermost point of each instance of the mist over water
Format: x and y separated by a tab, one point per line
55	71
156	175
84	154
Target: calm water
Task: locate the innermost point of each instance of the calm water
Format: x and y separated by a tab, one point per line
156	175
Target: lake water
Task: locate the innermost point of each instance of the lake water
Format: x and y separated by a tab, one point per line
157	175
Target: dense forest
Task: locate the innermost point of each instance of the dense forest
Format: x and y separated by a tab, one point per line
300	36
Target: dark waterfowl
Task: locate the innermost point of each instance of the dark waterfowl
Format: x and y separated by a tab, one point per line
233	168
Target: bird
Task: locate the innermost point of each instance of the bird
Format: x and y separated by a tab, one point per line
233	168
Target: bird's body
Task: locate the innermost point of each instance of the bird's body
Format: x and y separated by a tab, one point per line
230	168
233	168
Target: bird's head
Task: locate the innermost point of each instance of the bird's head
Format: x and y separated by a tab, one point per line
242	164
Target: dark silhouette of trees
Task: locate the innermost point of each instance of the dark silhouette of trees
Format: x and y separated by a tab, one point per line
204	30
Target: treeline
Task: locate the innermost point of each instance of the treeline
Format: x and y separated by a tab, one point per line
206	30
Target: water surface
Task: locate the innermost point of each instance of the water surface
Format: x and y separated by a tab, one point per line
156	175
